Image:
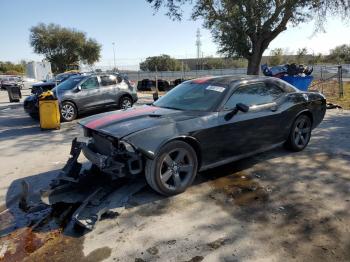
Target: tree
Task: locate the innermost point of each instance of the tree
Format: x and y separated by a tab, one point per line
245	28
276	57
64	47
340	54
214	63
301	55
222	63
11	68
160	63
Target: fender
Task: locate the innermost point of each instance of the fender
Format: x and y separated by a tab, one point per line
70	101
156	137
192	141
151	151
122	93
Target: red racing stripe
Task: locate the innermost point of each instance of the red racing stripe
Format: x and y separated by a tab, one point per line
118	116
202	80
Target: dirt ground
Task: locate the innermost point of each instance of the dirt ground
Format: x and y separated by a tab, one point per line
276	206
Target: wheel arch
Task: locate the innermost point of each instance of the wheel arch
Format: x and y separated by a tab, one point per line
71	101
193	142
124	94
307	113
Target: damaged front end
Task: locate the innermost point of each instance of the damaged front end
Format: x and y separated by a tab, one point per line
100	186
112	156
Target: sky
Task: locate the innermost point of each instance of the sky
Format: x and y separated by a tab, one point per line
138	32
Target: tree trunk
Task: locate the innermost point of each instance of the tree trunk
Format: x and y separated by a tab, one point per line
254	62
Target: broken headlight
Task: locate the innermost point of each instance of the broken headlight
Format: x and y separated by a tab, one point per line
126	146
82	134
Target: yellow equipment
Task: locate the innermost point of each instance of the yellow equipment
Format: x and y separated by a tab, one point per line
49	111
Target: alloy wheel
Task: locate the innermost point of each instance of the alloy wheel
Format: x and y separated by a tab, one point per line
176	169
301	134
126	103
67	111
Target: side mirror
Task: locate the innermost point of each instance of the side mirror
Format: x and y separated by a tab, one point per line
242	107
239	107
78	88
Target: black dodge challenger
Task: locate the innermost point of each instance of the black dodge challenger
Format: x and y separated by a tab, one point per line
201	124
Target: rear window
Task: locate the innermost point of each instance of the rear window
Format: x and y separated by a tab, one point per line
108	80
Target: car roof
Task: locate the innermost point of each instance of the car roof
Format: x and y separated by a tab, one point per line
227	79
80	76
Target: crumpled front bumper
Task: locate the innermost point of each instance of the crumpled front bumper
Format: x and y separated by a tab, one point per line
110	164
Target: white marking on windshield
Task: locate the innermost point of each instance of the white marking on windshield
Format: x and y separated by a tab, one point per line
216	88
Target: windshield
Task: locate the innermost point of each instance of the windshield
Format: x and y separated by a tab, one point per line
192	96
70	83
60	77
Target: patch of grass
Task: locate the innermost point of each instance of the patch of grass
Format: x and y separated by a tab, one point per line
344	102
331	90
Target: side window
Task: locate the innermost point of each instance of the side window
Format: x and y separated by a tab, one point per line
90	83
254	94
108	80
274	90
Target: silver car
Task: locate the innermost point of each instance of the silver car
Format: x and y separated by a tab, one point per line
84	93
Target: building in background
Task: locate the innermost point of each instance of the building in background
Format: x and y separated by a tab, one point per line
39	70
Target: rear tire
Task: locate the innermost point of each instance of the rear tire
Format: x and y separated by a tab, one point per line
300	134
68	111
173	169
125	102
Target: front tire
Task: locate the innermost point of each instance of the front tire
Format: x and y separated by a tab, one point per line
173	169
300	134
68	111
34	116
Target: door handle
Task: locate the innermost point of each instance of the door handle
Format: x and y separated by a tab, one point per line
274	108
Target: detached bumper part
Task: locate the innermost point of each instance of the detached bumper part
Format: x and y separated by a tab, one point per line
97	190
95	158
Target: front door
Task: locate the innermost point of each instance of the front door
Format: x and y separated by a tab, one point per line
90	95
256	129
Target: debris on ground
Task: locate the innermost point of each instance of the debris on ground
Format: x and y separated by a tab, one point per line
333	106
152	250
281	208
89	194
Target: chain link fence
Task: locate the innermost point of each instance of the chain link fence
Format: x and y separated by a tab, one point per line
328	79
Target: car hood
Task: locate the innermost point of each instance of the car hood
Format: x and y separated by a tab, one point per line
125	122
48	83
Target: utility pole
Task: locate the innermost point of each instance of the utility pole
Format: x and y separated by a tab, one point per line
115	67
156	93
198	44
202	61
182	71
340	82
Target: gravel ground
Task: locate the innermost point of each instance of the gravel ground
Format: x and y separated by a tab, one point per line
272	207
